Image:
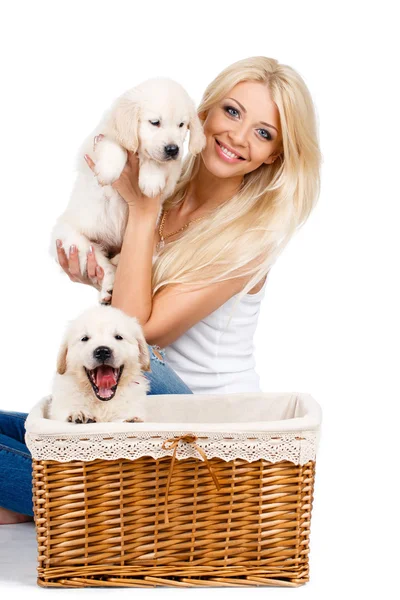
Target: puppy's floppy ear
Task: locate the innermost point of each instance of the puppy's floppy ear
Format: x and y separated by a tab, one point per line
197	138
124	122
144	354
62	358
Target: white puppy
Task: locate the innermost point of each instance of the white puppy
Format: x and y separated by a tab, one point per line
99	368
151	119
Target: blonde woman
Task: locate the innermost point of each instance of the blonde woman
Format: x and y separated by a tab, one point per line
195	281
236	206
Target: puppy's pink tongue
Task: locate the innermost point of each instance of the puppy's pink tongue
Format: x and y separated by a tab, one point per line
105	380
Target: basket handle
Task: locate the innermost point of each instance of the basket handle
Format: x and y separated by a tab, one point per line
188	438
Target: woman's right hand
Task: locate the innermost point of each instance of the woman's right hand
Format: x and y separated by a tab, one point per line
70	265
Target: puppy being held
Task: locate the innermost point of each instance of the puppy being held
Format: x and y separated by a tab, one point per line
151	120
99	369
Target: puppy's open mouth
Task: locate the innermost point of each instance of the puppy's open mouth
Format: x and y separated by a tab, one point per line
104	380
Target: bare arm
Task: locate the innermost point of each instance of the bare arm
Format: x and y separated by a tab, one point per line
176	309
132	286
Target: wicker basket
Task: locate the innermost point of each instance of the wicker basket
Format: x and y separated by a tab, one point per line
177	501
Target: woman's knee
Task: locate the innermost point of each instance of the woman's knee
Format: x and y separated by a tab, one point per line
162	378
12	422
157	354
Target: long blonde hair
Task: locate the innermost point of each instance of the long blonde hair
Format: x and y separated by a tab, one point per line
245	234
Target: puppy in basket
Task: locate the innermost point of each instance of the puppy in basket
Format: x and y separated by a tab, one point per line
151	119
99	369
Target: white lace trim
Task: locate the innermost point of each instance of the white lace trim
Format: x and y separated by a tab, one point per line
297	447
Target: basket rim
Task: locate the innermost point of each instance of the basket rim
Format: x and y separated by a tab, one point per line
307	416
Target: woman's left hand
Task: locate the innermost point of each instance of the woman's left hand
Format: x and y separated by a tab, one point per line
70	264
127	184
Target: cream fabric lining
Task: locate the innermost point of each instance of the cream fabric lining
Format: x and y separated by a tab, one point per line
272	426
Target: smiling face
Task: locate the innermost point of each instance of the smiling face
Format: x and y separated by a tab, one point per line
242	131
104	351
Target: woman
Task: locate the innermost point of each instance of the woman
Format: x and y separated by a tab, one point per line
235	208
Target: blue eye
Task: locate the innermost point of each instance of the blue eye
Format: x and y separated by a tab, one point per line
229	108
267	136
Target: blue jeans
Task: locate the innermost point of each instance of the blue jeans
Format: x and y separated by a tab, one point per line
15	458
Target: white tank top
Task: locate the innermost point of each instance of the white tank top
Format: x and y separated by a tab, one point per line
214	359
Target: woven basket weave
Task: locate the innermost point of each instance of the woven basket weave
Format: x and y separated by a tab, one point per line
163	521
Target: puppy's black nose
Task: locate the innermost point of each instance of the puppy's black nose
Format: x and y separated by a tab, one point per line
171	150
102	353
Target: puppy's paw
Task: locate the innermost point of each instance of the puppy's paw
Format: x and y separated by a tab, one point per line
106	291
151	190
151	181
134	420
110	159
105	299
115	259
81	417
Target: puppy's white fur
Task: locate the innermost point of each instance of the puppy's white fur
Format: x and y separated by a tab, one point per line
96	214
72	394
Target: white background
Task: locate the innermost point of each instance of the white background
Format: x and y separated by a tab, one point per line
329	321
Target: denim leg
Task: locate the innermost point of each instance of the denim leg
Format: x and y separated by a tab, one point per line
15	464
163	379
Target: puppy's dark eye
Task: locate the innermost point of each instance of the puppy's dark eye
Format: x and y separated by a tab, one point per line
155	123
118	337
85	338
181	124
